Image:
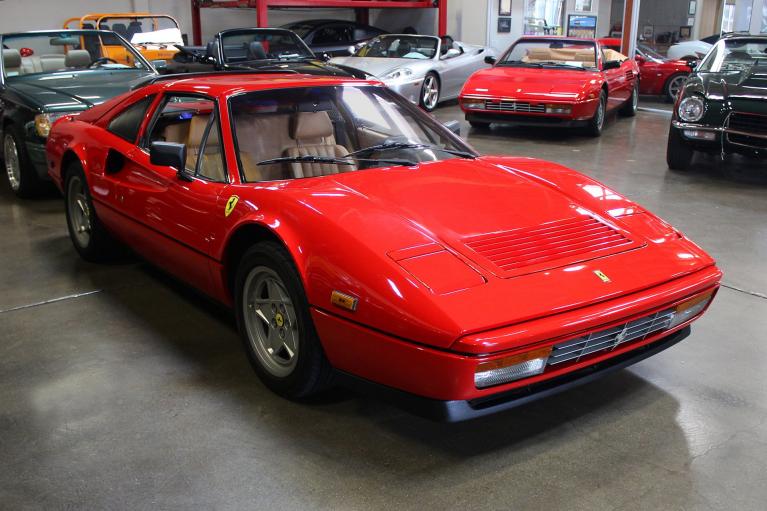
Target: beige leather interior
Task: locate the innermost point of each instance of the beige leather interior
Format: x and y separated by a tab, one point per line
12	62
307	126
614	55
541	54
15	64
77	58
212	164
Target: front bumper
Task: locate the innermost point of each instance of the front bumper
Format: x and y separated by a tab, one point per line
525	114
410	89
725	139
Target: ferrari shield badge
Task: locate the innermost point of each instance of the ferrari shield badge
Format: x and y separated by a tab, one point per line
230	204
602	276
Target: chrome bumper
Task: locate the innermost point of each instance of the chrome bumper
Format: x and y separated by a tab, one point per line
722	130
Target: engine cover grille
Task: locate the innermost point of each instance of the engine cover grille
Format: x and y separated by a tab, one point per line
610	338
514	106
565	240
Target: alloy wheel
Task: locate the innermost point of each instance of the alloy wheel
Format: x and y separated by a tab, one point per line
271	321
430	92
601	114
675	85
12	163
79	211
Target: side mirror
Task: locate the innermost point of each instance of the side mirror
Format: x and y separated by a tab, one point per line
452	52
169	154
160	64
611	64
692	64
324	57
490	60
352	50
640	59
454	126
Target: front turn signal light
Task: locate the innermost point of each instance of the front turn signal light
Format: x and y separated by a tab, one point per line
508	369
689	309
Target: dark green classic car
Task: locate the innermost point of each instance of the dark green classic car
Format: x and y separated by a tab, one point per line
48	74
723	106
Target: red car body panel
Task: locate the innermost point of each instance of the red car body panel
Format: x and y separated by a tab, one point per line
403	240
653	76
577	88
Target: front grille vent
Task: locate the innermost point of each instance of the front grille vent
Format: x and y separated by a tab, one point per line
610	338
752	125
514	106
563	239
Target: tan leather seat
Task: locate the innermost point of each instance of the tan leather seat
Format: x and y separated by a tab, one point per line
12	62
262	137
212	165
77	58
309	126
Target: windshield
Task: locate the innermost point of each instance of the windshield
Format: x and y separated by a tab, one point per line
736	55
400	47
649	53
47	53
254	45
302	29
551	53
376	124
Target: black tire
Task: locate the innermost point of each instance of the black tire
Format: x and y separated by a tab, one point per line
430	104
678	153
99	245
667	92
597	123
479	125
312	372
629	108
27	185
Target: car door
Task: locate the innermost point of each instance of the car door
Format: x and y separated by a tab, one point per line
171	210
456	69
617	89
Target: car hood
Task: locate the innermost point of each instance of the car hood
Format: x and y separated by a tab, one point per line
380	67
751	84
530	83
74	91
391	219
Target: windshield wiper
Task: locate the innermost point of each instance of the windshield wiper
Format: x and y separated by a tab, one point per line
388	146
345	160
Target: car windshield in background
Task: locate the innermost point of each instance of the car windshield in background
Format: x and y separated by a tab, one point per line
735	55
48	53
312	131
254	45
400	47
649	53
545	53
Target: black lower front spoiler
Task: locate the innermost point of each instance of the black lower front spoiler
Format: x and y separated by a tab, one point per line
456	411
526	120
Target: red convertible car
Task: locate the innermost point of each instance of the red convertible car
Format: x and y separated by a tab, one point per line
552	81
658	76
359	240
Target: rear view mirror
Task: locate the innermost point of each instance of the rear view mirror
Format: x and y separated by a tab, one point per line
611	64
169	154
490	60
160	64
453	126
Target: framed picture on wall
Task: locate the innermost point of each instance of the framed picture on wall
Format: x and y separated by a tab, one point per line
691	21
579	25
504	25
504	8
685	32
693	7
583	5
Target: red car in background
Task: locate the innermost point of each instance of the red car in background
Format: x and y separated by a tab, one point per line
658	76
359	239
552	81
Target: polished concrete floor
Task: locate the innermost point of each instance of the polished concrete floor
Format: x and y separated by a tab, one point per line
120	389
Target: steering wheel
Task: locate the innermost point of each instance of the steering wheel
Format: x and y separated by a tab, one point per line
102	60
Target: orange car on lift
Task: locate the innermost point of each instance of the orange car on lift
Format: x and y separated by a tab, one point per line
154	35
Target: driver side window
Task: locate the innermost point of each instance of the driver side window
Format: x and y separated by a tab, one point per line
192	121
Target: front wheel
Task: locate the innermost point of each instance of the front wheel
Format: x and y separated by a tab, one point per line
275	324
597	122
678	153
673	85
22	176
629	108
430	92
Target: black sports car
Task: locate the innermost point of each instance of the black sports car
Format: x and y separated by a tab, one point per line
333	37
723	106
259	49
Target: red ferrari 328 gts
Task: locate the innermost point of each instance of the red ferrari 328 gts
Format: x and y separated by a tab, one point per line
552	81
358	239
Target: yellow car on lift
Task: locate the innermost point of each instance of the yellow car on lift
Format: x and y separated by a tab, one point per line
153	35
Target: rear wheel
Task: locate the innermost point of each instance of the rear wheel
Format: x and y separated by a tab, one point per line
678	153
22	176
597	122
275	323
629	109
673	85
430	92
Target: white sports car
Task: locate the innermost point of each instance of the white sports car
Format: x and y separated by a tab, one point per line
424	69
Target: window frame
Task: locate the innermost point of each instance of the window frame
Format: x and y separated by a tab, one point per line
216	117
150	99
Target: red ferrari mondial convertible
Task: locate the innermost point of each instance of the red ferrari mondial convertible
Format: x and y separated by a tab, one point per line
356	236
552	81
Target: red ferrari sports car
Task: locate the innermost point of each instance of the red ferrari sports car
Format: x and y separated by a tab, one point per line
658	76
358	239
552	81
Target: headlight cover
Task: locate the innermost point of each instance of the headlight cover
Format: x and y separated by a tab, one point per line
399	74
692	108
43	122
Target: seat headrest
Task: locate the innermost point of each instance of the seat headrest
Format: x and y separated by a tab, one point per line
211	49
310	125
197	127
120	28
11	58
256	51
77	58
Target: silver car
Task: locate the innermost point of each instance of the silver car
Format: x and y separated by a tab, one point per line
424	69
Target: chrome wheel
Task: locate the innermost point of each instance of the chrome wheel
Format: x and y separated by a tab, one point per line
430	94
270	321
12	163
675	85
600	115
635	99
79	211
